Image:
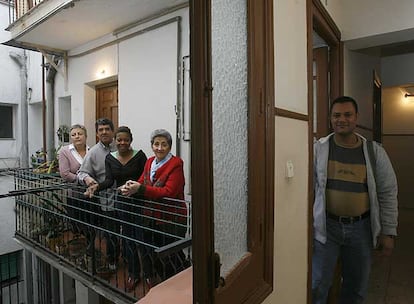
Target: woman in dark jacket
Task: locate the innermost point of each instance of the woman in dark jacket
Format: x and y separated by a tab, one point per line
121	166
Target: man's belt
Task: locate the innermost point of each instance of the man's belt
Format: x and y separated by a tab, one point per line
347	219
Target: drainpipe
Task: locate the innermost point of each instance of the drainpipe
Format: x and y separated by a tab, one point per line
50	111
21	60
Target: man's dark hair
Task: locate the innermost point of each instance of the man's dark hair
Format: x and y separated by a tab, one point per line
345	99
102	122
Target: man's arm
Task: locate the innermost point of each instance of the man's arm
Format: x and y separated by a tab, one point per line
387	190
86	171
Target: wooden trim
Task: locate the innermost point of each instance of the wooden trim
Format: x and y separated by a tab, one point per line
309	20
237	270
289	114
269	99
364	128
251	281
341	68
377	80
254	274
323	23
201	158
396	134
105	85
319	20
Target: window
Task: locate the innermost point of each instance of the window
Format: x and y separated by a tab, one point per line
6	122
250	277
9	266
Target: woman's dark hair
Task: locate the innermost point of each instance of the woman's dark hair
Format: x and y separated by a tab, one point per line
162	133
103	122
345	99
124	129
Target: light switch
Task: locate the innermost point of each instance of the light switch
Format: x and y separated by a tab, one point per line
289	169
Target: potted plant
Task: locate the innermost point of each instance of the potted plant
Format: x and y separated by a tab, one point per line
63	133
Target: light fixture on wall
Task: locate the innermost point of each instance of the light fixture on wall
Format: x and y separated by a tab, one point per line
407	90
101	73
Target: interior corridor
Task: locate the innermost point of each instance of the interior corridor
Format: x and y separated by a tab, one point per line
392	278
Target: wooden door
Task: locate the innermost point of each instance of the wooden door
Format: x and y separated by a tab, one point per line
323	25
377	108
107	102
250	277
321	92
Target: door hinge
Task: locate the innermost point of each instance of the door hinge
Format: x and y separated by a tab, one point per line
218	280
207	89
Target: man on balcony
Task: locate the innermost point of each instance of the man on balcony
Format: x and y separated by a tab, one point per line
92	172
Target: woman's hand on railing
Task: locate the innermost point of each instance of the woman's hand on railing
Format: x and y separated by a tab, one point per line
131	187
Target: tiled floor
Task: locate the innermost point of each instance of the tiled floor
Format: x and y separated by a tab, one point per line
392	279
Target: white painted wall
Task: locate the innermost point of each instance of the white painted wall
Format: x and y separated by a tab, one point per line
291	143
358	19
34	81
10	93
148	83
290	55
145	65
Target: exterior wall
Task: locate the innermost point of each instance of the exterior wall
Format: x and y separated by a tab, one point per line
291	195
145	66
34	86
9	93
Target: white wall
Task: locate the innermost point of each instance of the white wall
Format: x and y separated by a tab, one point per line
10	93
148	83
290	55
291	143
34	81
358	19
146	67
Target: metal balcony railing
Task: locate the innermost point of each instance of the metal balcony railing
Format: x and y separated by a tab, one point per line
129	245
18	8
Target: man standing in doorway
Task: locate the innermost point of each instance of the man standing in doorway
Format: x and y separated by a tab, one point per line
92	171
355	208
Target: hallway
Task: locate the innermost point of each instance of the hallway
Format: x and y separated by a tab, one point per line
392	279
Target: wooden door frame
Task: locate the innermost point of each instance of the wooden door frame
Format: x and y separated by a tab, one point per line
322	125
376	108
261	129
318	19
